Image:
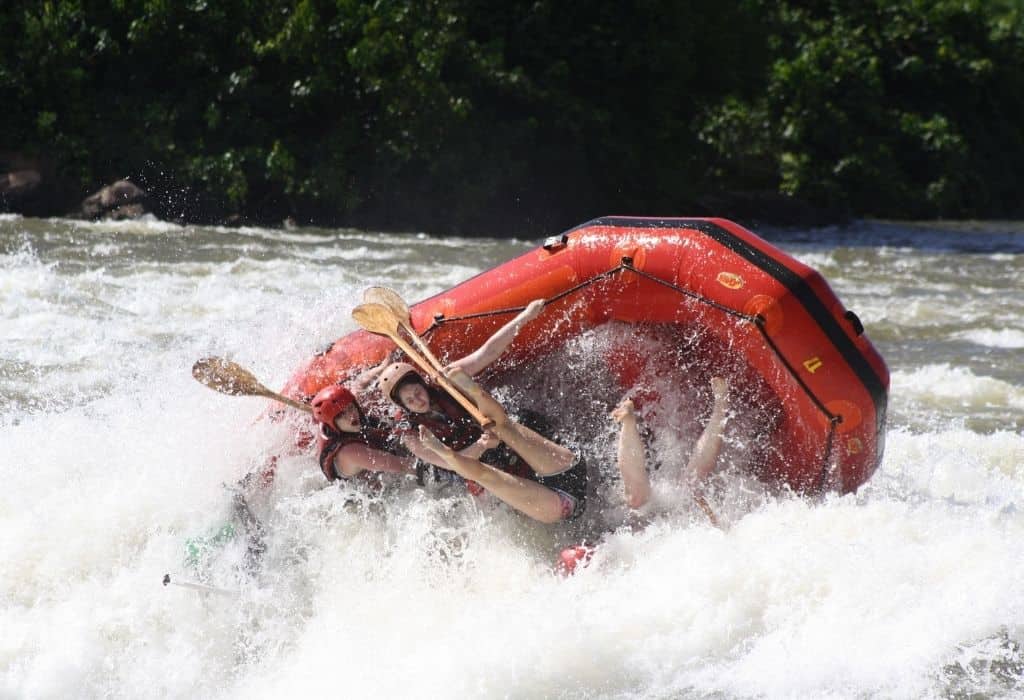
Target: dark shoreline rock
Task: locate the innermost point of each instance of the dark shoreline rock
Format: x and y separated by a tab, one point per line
17	185
118	201
28	185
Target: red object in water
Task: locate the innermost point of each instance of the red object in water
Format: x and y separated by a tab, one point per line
709	286
572	558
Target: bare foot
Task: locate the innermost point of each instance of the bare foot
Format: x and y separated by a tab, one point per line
532	310
484	401
623	411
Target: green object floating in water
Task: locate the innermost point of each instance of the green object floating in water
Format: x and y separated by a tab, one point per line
198	550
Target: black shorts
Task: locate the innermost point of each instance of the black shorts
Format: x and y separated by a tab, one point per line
571	486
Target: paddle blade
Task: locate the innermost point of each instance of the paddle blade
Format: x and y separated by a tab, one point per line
376	318
226	377
392	300
388	297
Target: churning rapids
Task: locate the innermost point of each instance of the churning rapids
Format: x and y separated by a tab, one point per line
112	457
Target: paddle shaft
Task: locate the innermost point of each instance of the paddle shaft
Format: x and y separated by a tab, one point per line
202	588
703	505
267	393
420	344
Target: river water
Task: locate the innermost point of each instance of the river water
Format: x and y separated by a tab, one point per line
112	458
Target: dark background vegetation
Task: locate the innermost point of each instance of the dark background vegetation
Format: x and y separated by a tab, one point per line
520	116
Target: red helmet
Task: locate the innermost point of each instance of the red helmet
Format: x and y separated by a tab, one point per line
330	402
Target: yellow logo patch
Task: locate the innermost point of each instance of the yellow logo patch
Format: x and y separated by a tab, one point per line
730	280
813	364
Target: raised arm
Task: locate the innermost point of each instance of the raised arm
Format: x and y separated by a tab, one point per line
493	347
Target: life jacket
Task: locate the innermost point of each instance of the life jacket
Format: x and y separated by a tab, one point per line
451	423
371	433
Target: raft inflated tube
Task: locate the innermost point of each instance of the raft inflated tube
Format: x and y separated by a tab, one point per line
760	312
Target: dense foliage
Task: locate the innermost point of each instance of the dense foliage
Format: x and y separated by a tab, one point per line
512	115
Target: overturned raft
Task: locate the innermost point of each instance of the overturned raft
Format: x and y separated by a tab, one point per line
710	288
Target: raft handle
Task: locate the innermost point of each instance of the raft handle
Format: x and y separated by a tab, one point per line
858	327
554	243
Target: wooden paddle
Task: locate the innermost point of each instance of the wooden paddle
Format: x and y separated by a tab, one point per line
232	379
382	320
390	298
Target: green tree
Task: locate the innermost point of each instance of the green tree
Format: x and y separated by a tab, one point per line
905	108
521	116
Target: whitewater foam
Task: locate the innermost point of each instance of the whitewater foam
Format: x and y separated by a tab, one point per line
910	588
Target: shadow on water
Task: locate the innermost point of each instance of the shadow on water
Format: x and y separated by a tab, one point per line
936	236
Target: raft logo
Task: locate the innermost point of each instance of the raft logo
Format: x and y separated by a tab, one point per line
813	364
730	280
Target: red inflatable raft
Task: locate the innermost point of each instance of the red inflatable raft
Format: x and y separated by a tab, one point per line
710	288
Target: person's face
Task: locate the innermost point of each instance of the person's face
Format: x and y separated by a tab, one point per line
414	397
348	420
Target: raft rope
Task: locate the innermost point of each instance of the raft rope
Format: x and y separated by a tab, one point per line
759	321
